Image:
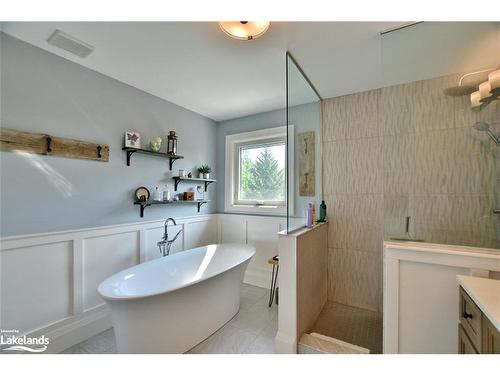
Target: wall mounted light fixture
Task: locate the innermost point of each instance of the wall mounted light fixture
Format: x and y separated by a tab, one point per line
494	79
244	30
488	91
475	99
484	90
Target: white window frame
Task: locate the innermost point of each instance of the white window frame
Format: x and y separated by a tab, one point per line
233	143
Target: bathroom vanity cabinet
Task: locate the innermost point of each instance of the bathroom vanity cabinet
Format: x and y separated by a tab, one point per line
479	309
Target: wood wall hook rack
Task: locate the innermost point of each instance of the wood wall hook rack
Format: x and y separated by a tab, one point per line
44	144
49	141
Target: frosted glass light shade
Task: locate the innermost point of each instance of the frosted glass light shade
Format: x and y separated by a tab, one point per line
484	90
244	30
475	98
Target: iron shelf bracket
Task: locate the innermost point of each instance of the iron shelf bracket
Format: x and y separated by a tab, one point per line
177	181
143	205
131	150
201	204
129	154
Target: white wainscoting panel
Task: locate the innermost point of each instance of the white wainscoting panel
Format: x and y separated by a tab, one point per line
199	233
104	256
420	300
233	228
263	234
36	285
260	231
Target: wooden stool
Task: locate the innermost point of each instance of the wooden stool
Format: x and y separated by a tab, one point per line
274	261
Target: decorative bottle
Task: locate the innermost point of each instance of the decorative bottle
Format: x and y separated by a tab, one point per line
322	212
309	219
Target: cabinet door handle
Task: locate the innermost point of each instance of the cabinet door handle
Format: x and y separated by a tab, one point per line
466	315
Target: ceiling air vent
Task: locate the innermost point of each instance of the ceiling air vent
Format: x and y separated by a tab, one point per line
69	43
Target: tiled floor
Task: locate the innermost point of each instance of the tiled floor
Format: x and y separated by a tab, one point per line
252	330
351	324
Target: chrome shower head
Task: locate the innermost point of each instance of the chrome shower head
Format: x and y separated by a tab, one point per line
484	127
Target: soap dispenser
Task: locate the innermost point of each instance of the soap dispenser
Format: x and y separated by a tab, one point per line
309	215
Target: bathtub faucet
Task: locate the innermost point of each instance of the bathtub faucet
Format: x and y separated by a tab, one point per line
165	244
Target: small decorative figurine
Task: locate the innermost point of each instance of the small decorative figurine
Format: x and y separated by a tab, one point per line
172	143
155	144
190	175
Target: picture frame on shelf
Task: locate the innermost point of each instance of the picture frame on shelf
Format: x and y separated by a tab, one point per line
132	139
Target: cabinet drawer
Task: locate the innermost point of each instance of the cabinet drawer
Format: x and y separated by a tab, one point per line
464	344
470	318
491	338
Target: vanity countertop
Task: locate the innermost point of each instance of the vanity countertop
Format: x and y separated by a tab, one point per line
485	293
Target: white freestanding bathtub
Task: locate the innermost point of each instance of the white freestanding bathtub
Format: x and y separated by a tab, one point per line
171	304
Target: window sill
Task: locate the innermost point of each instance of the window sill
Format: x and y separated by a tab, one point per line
256	210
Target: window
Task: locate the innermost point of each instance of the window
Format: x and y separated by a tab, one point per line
256	171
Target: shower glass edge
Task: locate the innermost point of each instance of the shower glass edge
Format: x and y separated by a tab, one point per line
303	119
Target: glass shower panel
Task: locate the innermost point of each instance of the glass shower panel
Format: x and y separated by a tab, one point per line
303	112
440	173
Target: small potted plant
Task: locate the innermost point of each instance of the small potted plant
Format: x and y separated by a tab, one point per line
205	171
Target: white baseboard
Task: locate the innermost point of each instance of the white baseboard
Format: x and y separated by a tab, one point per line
285	344
258	277
78	331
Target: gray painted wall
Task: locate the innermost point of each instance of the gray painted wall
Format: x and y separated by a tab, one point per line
304	117
41	92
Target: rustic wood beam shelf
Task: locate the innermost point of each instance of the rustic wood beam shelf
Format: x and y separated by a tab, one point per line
143	205
131	150
177	180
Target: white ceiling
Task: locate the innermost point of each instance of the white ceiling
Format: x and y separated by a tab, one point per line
195	65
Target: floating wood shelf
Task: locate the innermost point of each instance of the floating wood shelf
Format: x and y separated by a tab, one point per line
131	150
45	144
198	202
177	180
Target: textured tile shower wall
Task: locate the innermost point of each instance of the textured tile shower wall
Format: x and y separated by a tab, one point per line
404	150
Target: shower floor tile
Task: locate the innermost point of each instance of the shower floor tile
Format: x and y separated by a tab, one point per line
351	324
252	330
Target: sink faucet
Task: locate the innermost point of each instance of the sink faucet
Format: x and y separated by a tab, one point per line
165	244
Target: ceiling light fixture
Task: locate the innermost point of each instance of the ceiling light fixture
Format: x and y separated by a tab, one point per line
244	30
